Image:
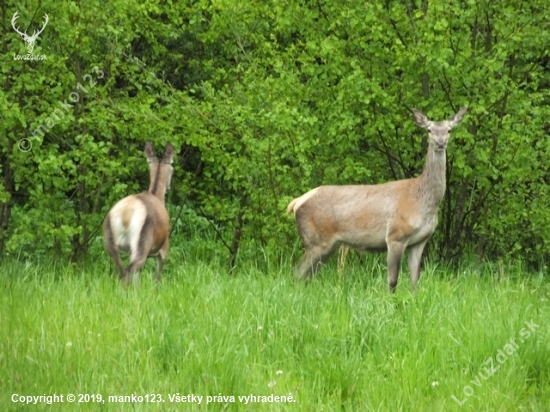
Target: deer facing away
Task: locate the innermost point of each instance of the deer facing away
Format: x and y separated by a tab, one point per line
393	217
139	224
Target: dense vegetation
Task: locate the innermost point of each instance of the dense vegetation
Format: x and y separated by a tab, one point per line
266	100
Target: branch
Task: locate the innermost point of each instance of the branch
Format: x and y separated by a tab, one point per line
215	229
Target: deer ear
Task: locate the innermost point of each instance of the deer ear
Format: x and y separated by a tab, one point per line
168	153
457	118
421	119
149	152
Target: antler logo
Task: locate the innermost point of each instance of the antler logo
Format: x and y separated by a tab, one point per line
30	40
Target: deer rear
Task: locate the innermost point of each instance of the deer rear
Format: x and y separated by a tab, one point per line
139	224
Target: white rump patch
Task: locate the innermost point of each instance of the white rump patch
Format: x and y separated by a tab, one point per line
127	238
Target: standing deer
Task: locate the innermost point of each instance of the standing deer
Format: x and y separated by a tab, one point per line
138	224
390	217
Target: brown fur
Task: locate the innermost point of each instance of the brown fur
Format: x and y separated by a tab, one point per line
126	216
139	224
393	217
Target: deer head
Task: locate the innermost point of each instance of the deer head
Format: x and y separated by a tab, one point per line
439	132
30	40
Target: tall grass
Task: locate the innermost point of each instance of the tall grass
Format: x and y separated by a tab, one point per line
335	344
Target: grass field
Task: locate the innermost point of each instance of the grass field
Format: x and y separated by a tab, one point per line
336	344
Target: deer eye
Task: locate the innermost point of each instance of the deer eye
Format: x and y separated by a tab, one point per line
429	130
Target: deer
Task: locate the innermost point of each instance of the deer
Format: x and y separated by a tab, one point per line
30	40
389	217
139	224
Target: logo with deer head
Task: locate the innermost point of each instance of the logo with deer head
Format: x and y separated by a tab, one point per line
29	40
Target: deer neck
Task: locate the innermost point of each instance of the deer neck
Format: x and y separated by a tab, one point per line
157	187
432	180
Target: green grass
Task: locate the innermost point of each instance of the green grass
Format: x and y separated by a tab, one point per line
334	344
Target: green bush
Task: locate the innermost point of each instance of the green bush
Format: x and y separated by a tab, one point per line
266	101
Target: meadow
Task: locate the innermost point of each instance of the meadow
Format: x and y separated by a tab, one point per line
340	343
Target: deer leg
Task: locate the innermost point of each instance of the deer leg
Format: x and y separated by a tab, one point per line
311	261
395	253
414	259
136	263
158	270
112	250
161	258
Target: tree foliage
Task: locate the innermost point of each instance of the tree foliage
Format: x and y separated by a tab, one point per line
267	100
